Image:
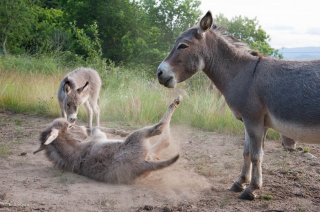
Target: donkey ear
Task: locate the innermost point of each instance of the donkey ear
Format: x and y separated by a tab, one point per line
67	87
206	22
53	135
82	88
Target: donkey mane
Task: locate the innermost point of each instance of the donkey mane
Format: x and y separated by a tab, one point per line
233	41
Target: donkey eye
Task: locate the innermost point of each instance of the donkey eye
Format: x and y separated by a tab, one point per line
182	46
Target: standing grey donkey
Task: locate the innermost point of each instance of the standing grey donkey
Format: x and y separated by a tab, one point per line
81	86
262	92
97	158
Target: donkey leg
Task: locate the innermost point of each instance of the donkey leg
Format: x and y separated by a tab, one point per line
245	176
160	144
96	110
90	113
165	120
256	133
157	144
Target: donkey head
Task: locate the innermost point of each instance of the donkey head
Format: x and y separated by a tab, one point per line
74	98
187	55
57	127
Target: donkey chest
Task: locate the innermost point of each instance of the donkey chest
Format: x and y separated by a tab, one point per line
244	104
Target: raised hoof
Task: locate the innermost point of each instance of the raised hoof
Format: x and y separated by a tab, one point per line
246	195
236	187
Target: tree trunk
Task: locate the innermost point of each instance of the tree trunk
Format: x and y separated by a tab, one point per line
4	46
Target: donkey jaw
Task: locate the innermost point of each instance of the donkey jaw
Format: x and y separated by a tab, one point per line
170	83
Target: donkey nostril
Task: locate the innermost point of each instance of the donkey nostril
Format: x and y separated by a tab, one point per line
160	73
72	120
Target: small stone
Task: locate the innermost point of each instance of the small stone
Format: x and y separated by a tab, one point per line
166	209
148	208
5	205
298	192
309	155
23	154
300	148
314	164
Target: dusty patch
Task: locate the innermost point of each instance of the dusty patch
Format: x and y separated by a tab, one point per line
197	182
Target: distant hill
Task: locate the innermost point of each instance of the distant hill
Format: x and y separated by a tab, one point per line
301	53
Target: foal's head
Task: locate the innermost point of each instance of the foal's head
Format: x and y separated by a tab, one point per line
74	98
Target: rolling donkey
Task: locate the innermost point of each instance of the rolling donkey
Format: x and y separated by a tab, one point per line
262	92
98	158
81	86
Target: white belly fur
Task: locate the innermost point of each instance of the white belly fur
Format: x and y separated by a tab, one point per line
295	131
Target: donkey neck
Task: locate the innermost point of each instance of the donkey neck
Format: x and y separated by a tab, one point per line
225	62
68	152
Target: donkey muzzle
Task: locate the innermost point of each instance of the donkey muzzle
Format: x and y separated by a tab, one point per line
165	75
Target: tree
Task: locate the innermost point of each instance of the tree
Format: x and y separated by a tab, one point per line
119	24
249	31
48	31
16	20
171	17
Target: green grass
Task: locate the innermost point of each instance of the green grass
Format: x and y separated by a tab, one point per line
4	150
266	197
129	95
31	65
306	149
28	93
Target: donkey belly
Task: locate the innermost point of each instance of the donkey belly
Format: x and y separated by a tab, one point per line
296	131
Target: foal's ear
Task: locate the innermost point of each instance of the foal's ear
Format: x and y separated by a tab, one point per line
206	22
53	135
67	87
82	88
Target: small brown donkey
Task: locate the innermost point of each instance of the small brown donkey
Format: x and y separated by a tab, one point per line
263	92
81	86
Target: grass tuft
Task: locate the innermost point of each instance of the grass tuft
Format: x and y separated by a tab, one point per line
4	150
306	149
266	197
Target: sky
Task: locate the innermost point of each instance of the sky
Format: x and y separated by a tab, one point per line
290	23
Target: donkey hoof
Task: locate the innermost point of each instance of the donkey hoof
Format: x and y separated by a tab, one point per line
237	187
177	101
247	195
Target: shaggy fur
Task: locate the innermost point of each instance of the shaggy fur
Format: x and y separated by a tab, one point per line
112	162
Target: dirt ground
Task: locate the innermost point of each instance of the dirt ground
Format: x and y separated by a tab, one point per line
199	181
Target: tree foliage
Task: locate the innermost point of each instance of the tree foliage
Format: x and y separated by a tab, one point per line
249	31
15	24
139	31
